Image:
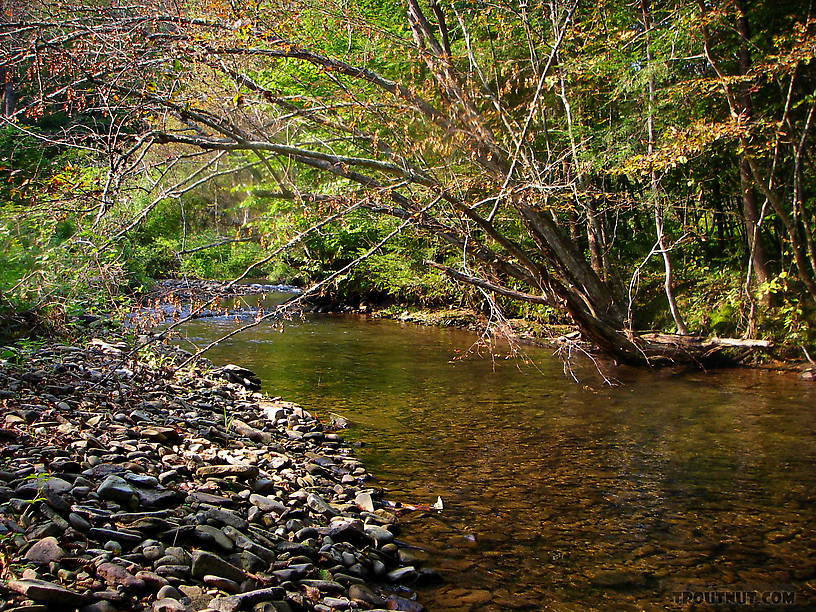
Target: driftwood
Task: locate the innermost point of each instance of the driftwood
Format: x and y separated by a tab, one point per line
677	348
667	349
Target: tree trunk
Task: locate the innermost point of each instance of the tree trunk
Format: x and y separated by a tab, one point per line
8	97
658	213
756	249
595	237
750	211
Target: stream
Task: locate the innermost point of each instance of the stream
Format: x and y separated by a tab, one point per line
559	495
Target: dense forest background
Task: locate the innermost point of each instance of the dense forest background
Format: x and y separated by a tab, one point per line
624	165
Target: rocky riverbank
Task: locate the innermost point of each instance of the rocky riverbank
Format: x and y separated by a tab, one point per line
125	488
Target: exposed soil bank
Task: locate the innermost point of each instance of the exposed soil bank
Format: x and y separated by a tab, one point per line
125	488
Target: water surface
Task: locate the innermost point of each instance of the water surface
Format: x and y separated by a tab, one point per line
560	496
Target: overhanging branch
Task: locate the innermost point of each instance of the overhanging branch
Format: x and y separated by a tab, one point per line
478	282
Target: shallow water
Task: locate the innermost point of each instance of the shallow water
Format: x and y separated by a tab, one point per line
560	496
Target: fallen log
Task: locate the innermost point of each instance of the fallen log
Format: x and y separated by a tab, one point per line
676	348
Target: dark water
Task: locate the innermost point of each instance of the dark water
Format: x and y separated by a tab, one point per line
561	496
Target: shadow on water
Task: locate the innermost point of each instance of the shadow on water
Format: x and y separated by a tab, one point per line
557	495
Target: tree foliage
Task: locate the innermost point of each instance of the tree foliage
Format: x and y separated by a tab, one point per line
558	153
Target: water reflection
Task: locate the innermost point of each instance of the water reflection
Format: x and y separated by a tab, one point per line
561	496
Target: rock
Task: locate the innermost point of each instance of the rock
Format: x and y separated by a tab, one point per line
339	422
116	575
154	498
427	576
170	592
265	485
241	428
196	595
403	574
380	534
45	551
295	549
274	606
222	584
47	592
109	348
209	535
245	472
319	505
248	546
103	469
324	586
168	604
173	571
475	597
78	523
205	563
244	601
114	547
226	517
179	553
267	504
364	501
207	498
348	532
42	485
395	602
152	580
64	466
379	568
250	562
167	476
103	535
117	489
161	434
359	592
39	532
141	480
152	553
33	377
336	603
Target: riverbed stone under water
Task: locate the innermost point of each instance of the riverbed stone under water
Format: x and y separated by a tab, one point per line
558	495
